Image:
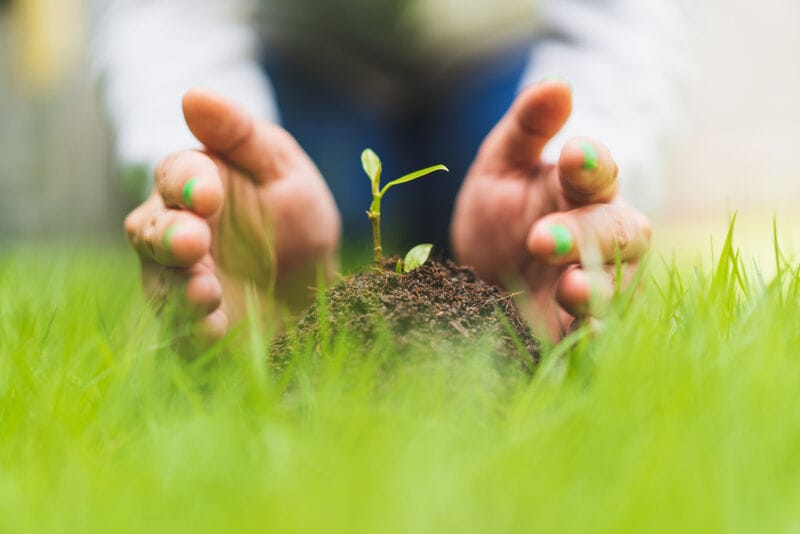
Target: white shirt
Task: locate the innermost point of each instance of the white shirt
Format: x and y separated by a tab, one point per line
626	60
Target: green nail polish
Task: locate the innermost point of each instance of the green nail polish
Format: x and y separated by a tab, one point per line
562	239
589	156
188	189
168	237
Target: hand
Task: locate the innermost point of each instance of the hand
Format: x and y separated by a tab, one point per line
518	217
250	210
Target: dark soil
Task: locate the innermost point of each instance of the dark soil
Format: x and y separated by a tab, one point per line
438	306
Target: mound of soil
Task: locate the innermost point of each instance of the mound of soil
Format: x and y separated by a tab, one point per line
438	305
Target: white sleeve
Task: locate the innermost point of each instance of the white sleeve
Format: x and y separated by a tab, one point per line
627	61
147	53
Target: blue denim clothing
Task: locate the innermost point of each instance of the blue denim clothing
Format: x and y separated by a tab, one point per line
445	125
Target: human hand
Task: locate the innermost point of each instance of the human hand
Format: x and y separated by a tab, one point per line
518	217
250	210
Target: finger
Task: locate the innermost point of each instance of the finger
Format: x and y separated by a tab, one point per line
203	291
190	180
595	327
262	150
174	238
189	293
590	234
587	172
211	328
589	292
536	115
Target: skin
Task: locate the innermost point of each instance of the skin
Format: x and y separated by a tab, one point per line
256	212
521	220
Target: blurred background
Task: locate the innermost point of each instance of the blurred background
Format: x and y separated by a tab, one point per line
739	152
55	173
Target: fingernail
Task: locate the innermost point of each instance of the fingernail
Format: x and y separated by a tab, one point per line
188	189
168	237
562	239
553	78
590	162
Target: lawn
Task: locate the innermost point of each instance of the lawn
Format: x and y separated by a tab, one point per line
683	415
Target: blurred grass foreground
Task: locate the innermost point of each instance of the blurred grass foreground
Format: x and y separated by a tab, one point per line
682	416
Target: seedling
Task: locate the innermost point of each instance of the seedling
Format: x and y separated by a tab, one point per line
372	166
414	259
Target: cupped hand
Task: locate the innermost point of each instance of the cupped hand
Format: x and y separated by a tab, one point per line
251	210
518	217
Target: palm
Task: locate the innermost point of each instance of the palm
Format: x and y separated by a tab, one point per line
499	209
519	219
268	228
251	211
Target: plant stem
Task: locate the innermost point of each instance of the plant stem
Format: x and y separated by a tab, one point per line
377	249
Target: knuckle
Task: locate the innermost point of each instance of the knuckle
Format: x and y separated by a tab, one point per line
647	228
179	164
148	237
164	169
131	225
620	230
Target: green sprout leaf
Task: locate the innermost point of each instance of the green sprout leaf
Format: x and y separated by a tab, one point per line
416	257
372	166
399	267
413	176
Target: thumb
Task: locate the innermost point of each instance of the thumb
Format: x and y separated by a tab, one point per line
537	114
231	132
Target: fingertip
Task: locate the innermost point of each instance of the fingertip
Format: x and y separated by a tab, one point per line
545	107
590	162
202	110
583	154
215	121
212	327
203	292
203	195
537	114
199	99
190	179
587	172
585	292
186	241
574	291
131	226
551	241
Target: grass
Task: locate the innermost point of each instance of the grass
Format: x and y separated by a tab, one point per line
683	415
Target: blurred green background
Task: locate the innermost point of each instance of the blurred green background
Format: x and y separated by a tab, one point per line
738	151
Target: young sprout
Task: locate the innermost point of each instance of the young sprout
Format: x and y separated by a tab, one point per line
414	259
372	166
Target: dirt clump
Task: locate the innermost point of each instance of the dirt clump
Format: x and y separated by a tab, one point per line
439	306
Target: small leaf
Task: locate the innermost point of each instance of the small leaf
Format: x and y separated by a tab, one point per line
399	267
416	257
414	176
372	166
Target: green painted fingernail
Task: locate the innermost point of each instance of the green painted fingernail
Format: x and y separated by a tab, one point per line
168	237
562	239
589	156
188	189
